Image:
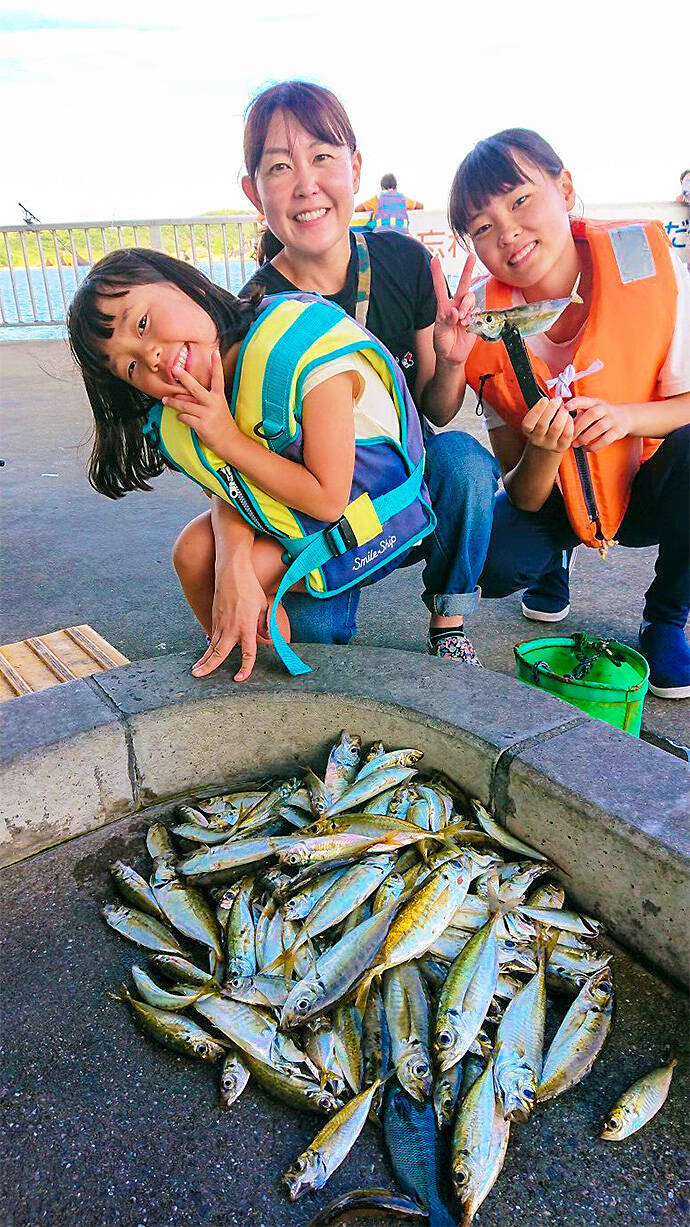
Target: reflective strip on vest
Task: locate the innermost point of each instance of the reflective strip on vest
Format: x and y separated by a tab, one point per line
633	253
479	291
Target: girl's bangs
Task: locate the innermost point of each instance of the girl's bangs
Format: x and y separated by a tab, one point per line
485	172
89	327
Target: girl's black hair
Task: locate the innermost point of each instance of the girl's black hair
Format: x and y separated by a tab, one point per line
490	169
122	459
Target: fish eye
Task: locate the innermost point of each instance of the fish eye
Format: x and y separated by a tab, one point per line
130	369
302	1005
461	1175
489	318
529	1093
420	1069
444	1039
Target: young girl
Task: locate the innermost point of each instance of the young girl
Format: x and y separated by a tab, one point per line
604	459
323	447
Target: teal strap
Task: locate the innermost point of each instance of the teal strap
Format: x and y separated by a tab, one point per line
388	505
312	557
318	552
310	325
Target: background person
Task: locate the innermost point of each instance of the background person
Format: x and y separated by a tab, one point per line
390	208
683	196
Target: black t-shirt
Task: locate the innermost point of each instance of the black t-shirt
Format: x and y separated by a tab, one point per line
402	296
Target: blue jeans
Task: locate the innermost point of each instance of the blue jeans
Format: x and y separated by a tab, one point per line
462	478
322	620
526	544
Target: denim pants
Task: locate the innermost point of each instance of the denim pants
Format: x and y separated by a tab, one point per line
526	544
322	619
462	478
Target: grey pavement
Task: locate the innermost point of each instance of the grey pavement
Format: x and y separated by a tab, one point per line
72	556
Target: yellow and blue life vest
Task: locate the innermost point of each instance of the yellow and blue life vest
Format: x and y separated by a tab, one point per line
389	508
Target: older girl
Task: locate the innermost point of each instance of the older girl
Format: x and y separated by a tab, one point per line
604	458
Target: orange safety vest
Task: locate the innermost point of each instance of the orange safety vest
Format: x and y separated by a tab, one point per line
629	330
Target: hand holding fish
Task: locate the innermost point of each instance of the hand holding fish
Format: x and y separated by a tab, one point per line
597	423
206	410
452	341
549	426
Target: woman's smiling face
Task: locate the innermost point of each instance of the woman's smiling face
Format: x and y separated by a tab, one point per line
157	331
304	186
521	235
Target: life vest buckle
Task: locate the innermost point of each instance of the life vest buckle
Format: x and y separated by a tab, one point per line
339	537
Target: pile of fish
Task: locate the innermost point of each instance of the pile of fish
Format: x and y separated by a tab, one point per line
370	945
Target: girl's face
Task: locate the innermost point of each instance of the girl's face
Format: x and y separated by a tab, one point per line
305	187
523	235
158	331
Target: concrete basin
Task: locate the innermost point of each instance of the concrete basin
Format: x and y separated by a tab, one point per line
611	811
103	1127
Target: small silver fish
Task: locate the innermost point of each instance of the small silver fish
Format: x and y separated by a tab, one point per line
638	1104
529	319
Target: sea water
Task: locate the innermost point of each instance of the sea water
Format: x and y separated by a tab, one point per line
56	286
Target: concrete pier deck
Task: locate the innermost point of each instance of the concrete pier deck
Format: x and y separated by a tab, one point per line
72	556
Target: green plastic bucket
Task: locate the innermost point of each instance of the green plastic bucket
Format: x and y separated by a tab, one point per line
609	691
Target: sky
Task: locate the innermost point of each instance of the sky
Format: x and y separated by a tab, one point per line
137	112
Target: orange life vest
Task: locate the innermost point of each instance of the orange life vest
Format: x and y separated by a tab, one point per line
629	330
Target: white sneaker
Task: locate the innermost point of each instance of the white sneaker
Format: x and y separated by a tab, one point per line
544	615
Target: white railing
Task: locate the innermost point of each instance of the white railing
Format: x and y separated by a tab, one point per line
42	265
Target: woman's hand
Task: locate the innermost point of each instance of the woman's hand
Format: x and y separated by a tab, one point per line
597	423
549	426
452	341
206	410
240	611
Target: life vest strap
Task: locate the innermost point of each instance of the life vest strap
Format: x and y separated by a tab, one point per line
332	542
311	324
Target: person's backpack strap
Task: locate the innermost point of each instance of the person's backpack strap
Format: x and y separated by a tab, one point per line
363	279
360	523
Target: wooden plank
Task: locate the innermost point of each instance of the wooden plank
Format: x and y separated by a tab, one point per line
40	661
14	680
56	666
107	658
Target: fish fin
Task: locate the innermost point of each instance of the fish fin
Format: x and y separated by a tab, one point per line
496	906
362	994
278	963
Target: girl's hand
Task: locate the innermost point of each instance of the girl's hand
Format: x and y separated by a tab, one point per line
206	410
239	614
452	341
549	426
597	423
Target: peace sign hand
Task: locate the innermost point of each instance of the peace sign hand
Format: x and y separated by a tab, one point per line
452	341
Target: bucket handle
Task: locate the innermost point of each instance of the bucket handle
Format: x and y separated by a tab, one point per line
536	666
